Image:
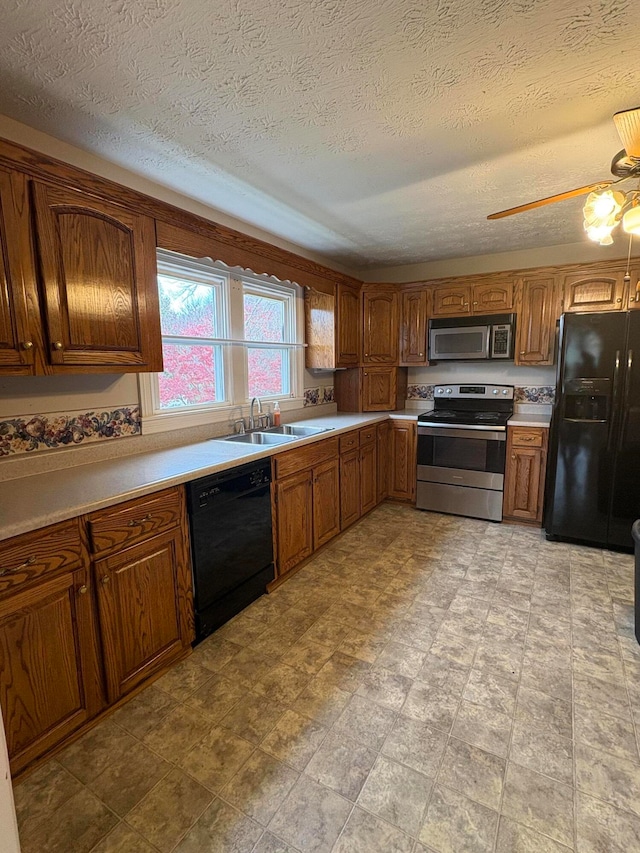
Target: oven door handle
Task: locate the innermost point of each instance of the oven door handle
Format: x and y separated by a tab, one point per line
472	431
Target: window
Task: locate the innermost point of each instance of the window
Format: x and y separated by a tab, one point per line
226	337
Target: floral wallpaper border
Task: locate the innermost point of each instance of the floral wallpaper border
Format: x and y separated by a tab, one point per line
522	394
318	396
30	433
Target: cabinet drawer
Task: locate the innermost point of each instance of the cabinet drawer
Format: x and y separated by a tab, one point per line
130	522
349	441
306	457
368	434
530	437
32	555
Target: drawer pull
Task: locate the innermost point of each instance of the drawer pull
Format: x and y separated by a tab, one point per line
26	563
527	438
136	522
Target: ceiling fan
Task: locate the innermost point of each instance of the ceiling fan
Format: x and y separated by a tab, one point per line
605	207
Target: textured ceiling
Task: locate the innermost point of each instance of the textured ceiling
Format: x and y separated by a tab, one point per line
372	132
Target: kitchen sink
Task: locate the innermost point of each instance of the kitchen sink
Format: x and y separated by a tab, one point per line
297	431
260	438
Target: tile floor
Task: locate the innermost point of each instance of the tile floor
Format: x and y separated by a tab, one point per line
427	683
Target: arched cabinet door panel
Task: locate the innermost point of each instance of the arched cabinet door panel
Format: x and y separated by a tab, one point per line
98	282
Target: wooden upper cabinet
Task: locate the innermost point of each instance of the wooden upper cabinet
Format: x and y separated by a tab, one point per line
633	297
98	274
451	300
536	320
413	328
603	291
332	328
492	297
380	326
348	326
16	276
379	389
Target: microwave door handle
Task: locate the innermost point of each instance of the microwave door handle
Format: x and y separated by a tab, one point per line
488	344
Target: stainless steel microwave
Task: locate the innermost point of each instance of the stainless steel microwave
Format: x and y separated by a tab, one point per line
472	338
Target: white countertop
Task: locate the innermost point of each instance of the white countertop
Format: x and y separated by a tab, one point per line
530	420
29	503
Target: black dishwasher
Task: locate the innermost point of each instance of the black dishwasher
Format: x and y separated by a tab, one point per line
231	542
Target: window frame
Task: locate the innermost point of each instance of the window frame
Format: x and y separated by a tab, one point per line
234	348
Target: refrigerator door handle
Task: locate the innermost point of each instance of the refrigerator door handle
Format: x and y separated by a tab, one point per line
614	402
625	398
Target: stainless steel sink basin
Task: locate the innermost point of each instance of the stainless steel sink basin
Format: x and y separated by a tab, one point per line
260	438
297	431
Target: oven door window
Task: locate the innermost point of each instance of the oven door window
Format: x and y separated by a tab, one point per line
470	454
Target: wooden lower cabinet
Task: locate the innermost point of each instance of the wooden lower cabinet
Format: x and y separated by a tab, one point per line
139	609
76	637
326	502
294	520
402	460
525	474
368	477
382	478
49	682
349	488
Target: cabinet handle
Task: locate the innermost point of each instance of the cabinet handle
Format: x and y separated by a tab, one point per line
619	299
27	344
105	579
26	563
523	352
475	303
135	522
83	590
513	455
57	345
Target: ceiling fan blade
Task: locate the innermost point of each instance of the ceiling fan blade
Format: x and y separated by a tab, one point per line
550	199
627	124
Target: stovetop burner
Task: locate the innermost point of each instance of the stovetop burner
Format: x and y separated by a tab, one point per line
464	418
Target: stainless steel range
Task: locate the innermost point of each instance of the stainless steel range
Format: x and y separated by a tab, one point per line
462	449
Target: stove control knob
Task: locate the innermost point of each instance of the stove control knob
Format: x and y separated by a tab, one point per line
449	391
495	390
440	390
505	392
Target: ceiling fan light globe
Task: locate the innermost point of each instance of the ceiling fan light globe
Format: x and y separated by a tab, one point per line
599	232
631	221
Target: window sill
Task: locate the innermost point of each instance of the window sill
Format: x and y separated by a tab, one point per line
175	420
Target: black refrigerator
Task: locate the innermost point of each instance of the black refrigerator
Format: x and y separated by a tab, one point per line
593	477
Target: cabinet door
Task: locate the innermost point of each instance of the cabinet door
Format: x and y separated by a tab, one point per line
320	329
326	502
294	520
382	480
349	488
16	276
98	270
348	327
523	484
594	291
451	300
368	478
413	332
379	389
402	473
139	598
48	671
633	297
535	306
380	314
492	297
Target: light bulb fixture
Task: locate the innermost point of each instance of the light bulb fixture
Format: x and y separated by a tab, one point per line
601	215
631	220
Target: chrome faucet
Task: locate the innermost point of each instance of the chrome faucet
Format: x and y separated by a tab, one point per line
252	420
